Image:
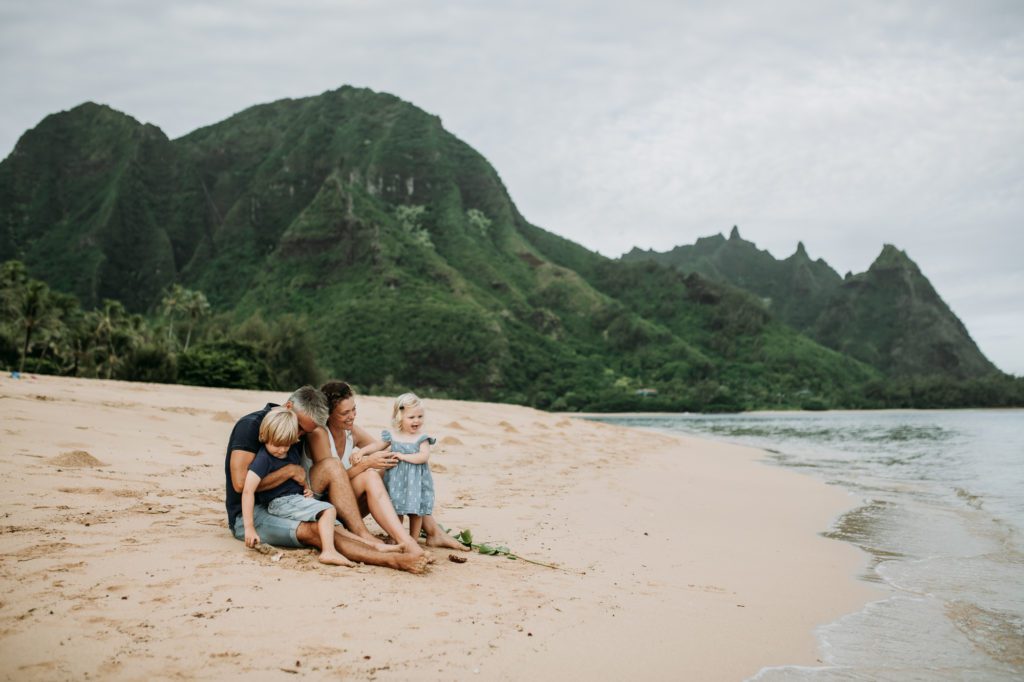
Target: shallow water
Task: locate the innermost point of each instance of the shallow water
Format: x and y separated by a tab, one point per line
942	520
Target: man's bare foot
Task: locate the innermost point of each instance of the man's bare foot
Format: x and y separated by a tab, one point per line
404	561
388	548
335	559
446	541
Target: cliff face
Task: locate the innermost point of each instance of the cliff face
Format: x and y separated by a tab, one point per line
87	203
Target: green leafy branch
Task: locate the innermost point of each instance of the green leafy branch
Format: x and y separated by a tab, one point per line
466	538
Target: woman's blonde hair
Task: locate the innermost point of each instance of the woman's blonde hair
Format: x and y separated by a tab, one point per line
401	402
279	427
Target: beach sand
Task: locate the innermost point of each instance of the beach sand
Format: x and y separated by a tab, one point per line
681	558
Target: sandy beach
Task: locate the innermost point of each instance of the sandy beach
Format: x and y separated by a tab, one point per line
680	558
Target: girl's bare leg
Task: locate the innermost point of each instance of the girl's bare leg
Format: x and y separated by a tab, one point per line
328	553
415	523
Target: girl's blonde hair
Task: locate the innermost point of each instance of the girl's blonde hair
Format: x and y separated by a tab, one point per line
401	402
279	427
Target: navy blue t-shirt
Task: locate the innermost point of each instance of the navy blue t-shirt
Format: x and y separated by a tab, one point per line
265	463
245	436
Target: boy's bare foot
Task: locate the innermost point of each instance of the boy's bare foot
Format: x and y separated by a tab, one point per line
335	559
446	541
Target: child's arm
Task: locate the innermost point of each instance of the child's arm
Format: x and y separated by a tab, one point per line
365	444
252	482
239	466
420	457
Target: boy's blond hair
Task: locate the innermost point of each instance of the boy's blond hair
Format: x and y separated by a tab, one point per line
401	402
279	427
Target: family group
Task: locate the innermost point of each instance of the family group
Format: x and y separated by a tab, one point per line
303	474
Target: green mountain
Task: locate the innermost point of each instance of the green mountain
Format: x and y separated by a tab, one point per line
889	317
892	318
86	200
357	218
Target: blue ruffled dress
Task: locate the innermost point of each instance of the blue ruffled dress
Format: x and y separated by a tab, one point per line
410	486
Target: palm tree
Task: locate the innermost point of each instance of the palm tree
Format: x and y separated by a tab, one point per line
196	307
188	303
171	306
114	334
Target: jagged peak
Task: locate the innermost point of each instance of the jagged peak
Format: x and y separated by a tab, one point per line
713	240
734	234
892	257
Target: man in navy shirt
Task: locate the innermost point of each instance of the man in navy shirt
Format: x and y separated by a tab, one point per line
327	478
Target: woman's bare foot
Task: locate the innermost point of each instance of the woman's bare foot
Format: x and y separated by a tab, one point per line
446	541
412	548
387	547
335	559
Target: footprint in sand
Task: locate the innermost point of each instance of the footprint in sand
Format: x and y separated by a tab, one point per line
438	468
223	417
450	440
454	425
563	423
83	491
508	427
190	453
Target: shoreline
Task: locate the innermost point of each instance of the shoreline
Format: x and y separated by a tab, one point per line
686	557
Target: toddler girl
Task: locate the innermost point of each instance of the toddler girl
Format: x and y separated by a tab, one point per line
409	483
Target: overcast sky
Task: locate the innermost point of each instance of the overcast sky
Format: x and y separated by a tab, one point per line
643	123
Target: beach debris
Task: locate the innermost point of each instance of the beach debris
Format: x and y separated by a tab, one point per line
466	538
456	559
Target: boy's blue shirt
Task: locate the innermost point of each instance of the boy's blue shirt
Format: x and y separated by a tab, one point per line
265	464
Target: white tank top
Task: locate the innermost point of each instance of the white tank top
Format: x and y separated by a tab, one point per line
346	458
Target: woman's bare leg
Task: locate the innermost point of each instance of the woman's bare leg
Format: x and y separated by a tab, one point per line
436	537
370	484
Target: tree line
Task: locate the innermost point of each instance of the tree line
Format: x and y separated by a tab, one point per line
180	341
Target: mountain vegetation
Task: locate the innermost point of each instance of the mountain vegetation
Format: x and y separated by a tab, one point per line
889	317
351	235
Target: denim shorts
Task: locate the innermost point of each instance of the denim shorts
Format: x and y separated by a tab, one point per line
273	530
298	507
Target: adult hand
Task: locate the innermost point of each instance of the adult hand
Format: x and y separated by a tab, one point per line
385	459
298	474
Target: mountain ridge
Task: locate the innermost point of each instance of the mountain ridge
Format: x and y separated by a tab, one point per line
400	247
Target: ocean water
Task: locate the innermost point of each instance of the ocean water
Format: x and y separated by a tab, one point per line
941	519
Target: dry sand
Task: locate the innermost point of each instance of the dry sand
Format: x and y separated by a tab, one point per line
683	559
